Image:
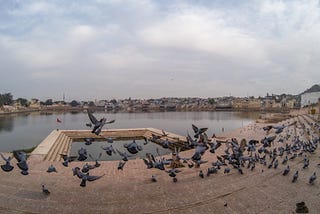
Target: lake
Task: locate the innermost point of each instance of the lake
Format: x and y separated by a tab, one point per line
21	131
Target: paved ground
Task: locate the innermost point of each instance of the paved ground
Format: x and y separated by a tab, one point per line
131	190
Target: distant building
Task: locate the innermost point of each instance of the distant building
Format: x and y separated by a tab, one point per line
310	96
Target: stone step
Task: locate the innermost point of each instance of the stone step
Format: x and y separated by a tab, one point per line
53	152
59	148
50	153
62	149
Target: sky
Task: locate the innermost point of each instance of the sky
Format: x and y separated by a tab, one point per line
99	49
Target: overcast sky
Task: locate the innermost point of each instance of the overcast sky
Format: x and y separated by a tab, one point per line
149	49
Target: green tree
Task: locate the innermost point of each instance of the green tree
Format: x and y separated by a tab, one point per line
211	101
6	99
74	103
113	101
48	102
91	104
23	102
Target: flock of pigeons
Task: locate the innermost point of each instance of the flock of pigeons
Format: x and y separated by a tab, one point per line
277	149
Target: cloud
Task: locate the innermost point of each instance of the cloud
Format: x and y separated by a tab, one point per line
102	49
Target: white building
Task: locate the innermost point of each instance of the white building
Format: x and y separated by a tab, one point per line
309	98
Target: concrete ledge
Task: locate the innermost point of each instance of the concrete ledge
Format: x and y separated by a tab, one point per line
44	147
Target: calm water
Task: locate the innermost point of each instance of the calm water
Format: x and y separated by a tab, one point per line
27	130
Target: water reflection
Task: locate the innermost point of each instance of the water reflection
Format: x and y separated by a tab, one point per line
6	123
28	130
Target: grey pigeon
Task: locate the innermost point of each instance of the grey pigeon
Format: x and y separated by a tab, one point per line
98	124
67	159
295	176
109	149
21	157
97	164
153	178
121	165
86	167
312	178
45	190
146	141
88	140
82	152
286	171
198	131
201	174
124	155
51	168
7	166
226	170
133	147
85	177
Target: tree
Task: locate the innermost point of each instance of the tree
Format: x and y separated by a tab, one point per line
6	99
211	101
91	104
74	103
48	102
113	101
23	102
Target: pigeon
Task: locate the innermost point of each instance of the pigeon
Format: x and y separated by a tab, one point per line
267	128
7	166
305	164
149	161
201	174
88	140
285	160
67	159
146	141
109	139
198	131
164	134
109	149
213	146
121	165
21	157
86	167
240	170
173	172
133	147
51	168
312	178
226	170
98	124
85	177
295	176
276	164
45	190
82	152
124	155
286	171
97	164
153	178
166	143
212	170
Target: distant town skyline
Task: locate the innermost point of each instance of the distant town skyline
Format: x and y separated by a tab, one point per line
150	49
